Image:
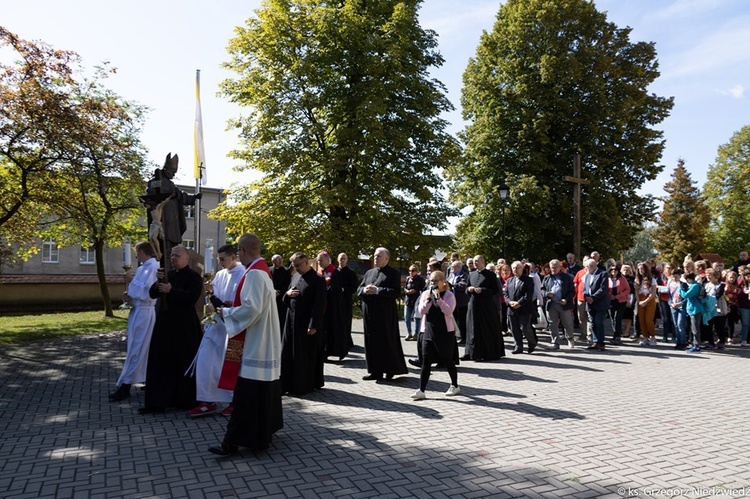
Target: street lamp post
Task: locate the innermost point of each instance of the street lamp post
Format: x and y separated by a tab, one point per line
503	190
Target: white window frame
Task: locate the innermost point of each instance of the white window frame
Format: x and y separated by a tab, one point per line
189	244
90	258
50	251
189	211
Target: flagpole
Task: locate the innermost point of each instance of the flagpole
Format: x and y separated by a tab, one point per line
199	159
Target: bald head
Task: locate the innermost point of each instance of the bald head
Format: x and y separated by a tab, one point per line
249	248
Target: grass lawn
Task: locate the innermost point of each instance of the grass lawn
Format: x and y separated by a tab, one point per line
15	329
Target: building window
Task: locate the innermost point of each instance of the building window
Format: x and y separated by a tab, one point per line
87	256
50	252
189	211
189	243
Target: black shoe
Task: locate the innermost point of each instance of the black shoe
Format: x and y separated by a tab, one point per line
466	357
121	393
224	450
517	351
389	376
415	362
372	377
151	410
532	347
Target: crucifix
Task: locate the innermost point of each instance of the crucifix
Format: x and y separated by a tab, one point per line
578	182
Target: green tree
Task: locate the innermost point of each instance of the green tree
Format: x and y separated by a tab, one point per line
643	246
727	195
344	126
34	89
682	224
93	190
554	77
71	162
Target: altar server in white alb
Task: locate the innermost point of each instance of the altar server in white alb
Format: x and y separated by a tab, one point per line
210	357
140	321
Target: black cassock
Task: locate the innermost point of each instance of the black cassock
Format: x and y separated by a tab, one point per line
383	351
301	359
174	343
281	279
484	341
338	339
348	288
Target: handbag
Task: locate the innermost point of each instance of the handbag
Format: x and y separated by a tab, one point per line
631	301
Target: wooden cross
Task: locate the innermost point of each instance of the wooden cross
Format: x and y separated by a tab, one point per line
578	182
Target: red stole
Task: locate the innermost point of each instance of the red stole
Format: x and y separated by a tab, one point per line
233	357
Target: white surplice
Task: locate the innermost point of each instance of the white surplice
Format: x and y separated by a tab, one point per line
210	355
140	323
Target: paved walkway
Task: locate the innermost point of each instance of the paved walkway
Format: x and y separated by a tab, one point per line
625	422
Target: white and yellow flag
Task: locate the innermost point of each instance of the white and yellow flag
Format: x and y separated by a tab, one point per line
199	153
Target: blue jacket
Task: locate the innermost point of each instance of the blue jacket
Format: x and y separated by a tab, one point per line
598	290
691	295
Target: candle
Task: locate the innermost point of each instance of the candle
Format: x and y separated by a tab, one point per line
208	262
126	255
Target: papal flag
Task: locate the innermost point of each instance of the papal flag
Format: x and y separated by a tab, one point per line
199	152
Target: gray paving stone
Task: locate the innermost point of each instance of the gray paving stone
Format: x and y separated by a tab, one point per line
552	424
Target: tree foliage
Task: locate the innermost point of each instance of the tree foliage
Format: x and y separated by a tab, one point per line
643	246
727	195
553	78
344	126
71	155
33	93
682	224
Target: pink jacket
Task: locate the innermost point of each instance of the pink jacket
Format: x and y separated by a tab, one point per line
447	304
623	289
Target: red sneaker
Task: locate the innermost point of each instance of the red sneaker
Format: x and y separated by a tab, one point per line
227	411
203	409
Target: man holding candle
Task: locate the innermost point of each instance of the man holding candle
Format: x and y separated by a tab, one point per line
141	319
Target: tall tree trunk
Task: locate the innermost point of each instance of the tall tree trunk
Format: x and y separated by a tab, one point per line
99	252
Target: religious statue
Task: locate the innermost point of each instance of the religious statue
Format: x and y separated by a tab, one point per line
166	209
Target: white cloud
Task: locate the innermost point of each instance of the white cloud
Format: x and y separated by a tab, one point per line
726	47
687	8
737	91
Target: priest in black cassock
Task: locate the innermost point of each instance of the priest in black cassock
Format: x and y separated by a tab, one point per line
349	283
281	279
484	341
337	343
379	290
176	338
301	341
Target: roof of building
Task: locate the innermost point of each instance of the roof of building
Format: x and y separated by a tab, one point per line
711	257
58	278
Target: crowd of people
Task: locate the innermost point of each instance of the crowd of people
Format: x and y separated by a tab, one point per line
698	304
274	328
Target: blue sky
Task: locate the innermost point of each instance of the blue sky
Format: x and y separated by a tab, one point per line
702	47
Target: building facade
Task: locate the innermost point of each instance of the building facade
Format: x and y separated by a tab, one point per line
65	277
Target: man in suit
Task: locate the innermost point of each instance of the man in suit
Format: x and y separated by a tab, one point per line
559	291
519	295
596	295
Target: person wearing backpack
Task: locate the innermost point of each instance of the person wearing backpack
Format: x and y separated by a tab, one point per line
691	292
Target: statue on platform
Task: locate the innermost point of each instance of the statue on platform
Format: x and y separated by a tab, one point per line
166	203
